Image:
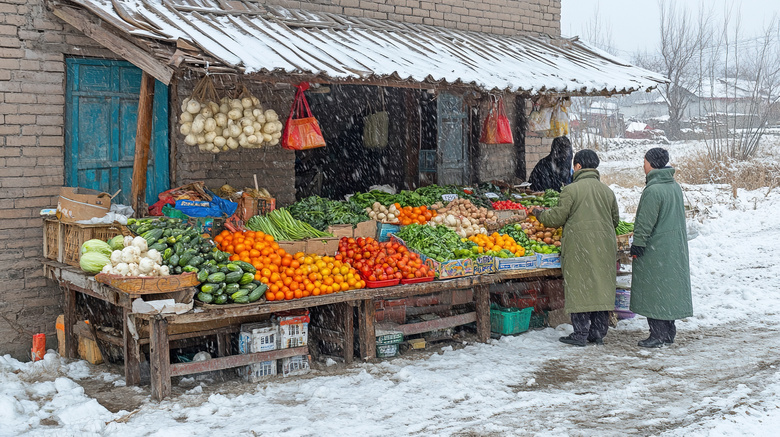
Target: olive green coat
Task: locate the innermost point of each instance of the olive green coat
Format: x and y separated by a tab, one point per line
661	278
588	212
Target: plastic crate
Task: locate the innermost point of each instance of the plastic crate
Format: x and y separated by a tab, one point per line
296	365
622	300
509	321
389	337
207	225
383	231
538	320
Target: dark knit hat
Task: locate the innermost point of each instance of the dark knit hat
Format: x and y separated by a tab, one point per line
657	157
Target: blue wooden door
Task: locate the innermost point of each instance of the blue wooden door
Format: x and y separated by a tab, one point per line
453	157
101	113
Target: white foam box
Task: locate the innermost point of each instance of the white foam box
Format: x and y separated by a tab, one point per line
257	337
293	331
296	365
260	371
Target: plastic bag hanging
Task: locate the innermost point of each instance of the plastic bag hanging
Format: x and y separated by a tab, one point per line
496	129
559	121
302	131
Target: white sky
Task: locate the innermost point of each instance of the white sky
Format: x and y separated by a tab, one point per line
634	24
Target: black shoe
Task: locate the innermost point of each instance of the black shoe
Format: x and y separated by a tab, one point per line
668	342
572	341
597	341
651	342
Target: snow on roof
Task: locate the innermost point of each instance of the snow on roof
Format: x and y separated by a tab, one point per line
255	38
725	88
635	126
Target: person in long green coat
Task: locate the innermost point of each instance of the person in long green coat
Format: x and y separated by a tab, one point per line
588	211
661	277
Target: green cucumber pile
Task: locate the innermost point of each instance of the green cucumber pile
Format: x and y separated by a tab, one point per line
184	250
624	228
548	200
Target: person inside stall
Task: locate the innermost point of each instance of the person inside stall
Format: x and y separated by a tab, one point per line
554	170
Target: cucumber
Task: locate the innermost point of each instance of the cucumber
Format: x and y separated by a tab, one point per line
249	286
234	267
246	278
160	247
178	248
219	256
241	299
234	288
233	277
195	261
189	269
177	270
221	299
203	275
257	293
152	236
216	277
205	297
185	258
245	266
209	288
167	254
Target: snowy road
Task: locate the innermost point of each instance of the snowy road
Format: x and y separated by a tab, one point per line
720	378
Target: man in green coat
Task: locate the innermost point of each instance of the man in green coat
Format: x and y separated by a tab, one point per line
661	277
588	212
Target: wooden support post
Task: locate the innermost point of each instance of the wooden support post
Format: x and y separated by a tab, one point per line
349	333
71	345
143	137
160	358
367	333
222	344
482	300
131	352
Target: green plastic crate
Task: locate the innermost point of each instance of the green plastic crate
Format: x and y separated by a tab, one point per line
538	320
507	321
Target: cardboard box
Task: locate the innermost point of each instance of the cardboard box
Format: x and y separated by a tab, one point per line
76	204
484	265
521	263
383	231
365	229
558	317
293	247
340	231
322	246
548	260
444	270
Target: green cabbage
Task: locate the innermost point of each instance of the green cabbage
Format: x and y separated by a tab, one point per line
93	262
117	243
98	246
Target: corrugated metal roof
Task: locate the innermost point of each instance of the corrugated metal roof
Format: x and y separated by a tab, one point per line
256	38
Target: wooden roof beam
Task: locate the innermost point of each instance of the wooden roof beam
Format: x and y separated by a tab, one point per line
121	46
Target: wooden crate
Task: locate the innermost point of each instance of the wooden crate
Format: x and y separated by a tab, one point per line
149	285
624	242
73	235
51	236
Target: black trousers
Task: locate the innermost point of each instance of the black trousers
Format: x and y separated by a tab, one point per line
591	325
663	330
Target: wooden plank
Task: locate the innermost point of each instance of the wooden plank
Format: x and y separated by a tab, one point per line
143	138
367	332
482	301
132	353
231	361
349	333
441	323
325	334
117	44
81	329
71	348
160	360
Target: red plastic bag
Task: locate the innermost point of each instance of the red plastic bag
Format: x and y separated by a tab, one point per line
496	129
302	131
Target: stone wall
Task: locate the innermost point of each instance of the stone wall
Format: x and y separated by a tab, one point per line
33	46
504	17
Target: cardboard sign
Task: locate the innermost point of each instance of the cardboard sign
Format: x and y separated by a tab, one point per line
491	195
449	197
77	204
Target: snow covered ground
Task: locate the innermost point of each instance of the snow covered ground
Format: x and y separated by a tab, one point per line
720	378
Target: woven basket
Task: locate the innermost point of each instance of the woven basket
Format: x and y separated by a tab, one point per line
73	235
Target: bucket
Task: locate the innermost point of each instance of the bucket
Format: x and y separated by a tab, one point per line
38	347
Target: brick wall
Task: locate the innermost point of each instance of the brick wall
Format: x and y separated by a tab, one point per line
274	166
508	17
33	45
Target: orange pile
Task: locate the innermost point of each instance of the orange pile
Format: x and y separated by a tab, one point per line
288	276
420	215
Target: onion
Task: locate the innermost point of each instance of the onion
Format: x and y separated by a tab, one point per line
277	135
220	141
198	124
249	130
208	146
184	104
246	102
270	115
236	104
193	107
267	138
210	125
210	136
269	128
224	108
273	142
246	121
185	117
252	139
206	112
191	140
234	114
221	119
201	139
231	143
257	113
255	101
185	128
242	140
235	130
248	114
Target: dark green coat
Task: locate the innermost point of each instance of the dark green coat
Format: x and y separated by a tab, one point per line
661	278
588	212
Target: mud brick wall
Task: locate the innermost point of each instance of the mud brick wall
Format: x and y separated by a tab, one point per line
33	46
274	166
503	17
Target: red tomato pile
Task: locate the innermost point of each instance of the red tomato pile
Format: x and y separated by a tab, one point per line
507	204
382	261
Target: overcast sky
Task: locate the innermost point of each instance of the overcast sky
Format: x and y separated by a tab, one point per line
634	24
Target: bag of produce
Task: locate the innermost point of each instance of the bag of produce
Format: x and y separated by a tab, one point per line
539	119
559	121
496	129
302	131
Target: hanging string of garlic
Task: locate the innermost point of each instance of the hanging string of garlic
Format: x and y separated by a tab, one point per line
225	124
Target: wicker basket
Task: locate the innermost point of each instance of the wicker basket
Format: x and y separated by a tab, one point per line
73	235
51	235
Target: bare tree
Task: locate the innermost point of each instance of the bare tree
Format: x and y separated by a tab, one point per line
681	42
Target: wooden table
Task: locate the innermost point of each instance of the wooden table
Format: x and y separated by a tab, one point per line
164	328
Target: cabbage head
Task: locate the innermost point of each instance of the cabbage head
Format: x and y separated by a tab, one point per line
93	262
117	243
98	246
